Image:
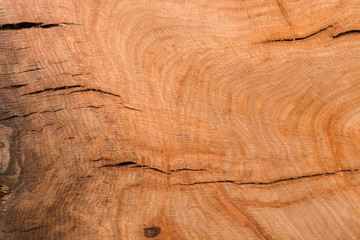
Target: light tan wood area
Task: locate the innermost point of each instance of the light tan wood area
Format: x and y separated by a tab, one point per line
180	119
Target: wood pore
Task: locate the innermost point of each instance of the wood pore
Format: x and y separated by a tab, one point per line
180	119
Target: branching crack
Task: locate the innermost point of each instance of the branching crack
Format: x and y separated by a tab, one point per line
27	25
143	166
355	31
65	88
107	93
269	183
49	111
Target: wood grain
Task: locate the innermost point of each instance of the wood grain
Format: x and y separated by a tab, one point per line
180	119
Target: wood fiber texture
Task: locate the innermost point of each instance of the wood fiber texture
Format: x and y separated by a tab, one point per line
180	119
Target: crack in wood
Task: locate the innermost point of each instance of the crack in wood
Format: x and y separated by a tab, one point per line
283	11
254	224
28	25
49	111
96	90
300	38
252	21
52	89
143	166
271	182
25	230
31	70
32	229
355	31
14	86
131	108
107	93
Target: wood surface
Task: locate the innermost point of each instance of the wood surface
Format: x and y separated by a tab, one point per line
180	119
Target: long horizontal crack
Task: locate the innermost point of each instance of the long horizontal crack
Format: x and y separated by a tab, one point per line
49	111
25	71
31	70
271	182
65	88
32	229
143	166
52	89
79	74
95	90
355	31
131	108
187	169
27	25
14	86
76	91
300	38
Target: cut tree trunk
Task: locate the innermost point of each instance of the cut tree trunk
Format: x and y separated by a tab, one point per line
180	119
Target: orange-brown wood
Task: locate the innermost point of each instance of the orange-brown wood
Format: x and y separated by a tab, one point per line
180	119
